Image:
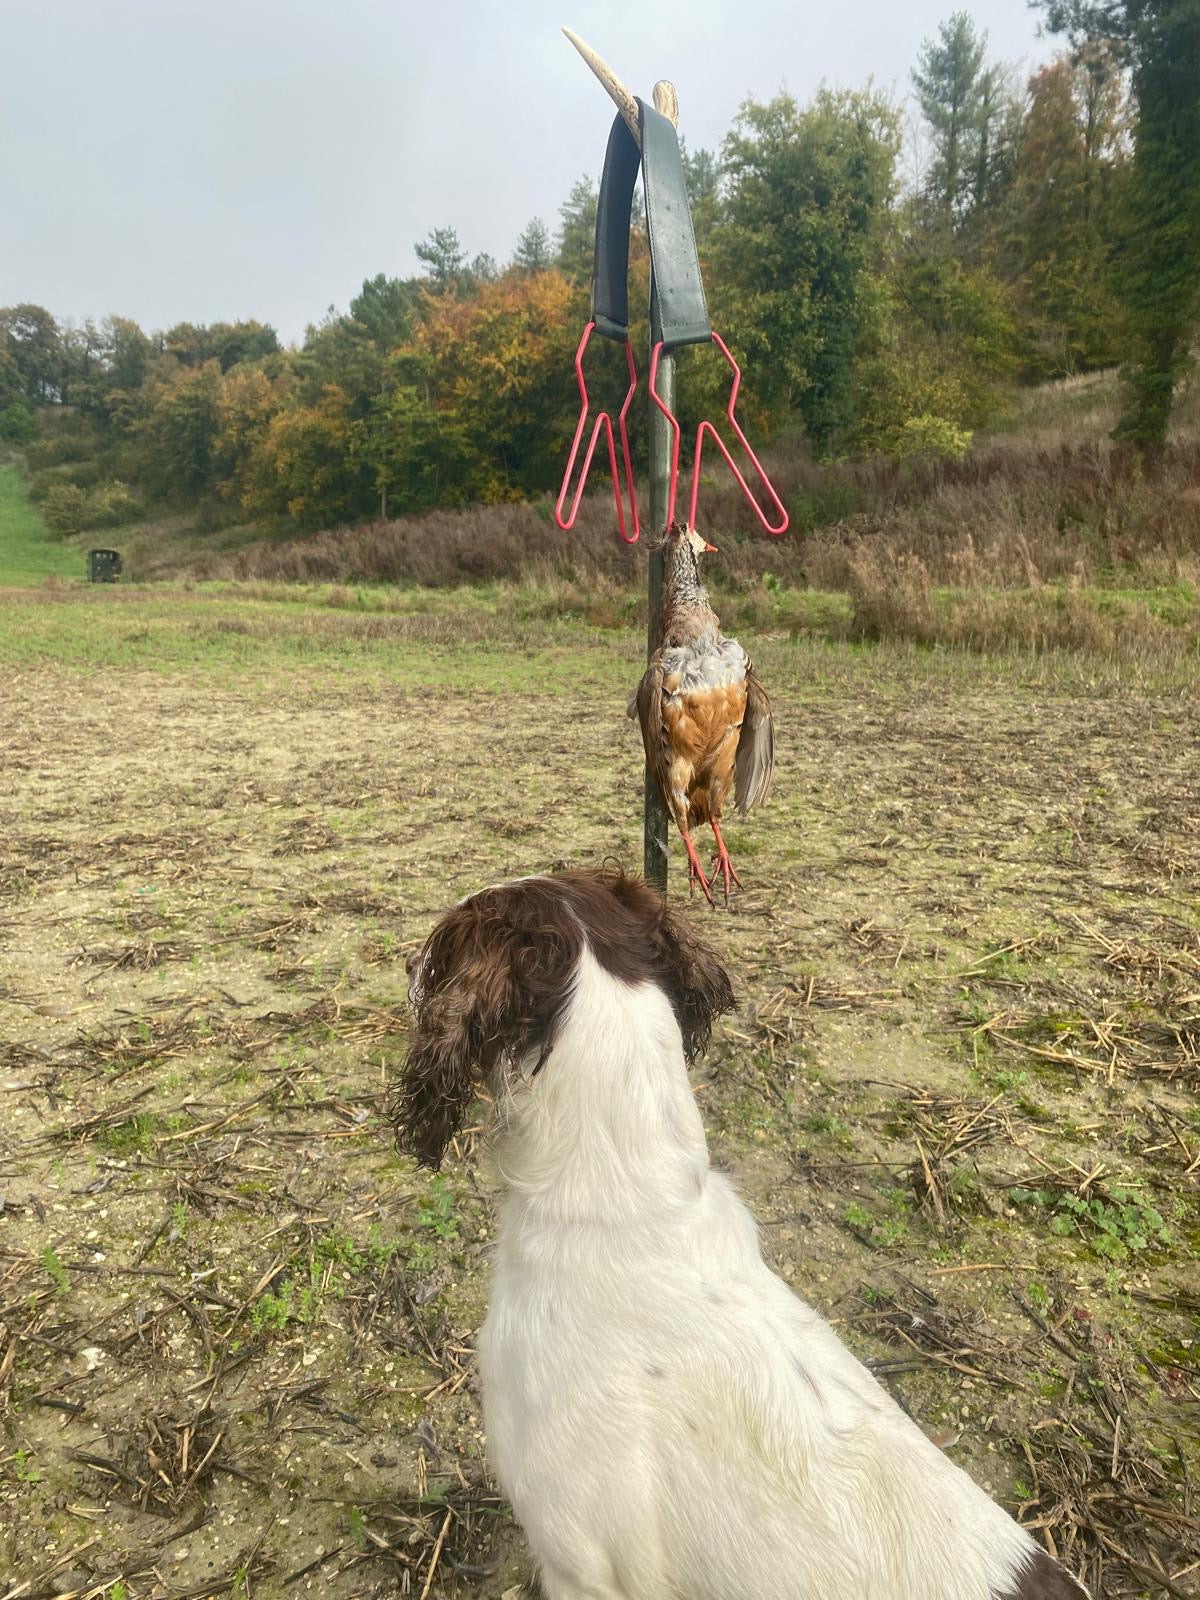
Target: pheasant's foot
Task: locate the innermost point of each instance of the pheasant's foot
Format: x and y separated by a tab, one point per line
695	871
722	866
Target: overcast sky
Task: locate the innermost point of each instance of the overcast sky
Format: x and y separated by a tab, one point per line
204	160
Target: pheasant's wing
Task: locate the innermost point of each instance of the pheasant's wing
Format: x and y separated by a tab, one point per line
650	716
755	762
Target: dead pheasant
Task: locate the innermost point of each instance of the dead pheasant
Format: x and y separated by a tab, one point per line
706	721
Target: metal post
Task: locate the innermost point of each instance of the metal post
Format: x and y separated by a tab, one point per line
654	846
654	856
666	103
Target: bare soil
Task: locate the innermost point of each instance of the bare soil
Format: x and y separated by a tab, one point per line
960	1092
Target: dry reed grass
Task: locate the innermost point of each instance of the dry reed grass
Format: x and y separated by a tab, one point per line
1016	510
893	596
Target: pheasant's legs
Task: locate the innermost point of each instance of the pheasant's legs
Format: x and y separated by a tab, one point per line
723	866
695	871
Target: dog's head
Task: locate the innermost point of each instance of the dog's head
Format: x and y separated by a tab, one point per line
493	982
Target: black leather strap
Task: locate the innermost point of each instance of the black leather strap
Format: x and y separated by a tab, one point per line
673	257
610	274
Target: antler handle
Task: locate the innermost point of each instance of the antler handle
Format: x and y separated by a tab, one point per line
621	97
666	101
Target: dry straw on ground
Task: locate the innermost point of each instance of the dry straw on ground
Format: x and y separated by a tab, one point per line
960	1094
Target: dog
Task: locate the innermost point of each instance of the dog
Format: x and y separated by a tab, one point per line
669	1421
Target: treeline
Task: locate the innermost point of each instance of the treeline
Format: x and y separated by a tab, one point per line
883	294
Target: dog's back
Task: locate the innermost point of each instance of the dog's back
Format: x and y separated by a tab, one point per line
669	1419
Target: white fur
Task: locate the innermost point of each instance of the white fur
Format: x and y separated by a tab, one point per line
669	1421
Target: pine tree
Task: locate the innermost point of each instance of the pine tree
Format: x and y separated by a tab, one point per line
533	247
1159	276
953	91
442	255
577	230
1158	266
702	174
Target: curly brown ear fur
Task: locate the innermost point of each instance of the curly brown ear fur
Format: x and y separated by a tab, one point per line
491	984
495	978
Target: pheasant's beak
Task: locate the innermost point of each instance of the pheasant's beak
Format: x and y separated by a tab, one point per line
711	550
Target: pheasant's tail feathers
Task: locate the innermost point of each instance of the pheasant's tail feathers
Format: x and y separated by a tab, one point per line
1044	1579
755	763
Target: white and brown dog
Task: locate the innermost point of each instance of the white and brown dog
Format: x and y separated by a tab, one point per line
669	1421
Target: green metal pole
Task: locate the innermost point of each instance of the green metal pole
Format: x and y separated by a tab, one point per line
654	858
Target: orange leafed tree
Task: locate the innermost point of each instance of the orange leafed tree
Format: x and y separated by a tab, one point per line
497	372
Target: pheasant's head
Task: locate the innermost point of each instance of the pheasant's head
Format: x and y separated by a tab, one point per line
683	547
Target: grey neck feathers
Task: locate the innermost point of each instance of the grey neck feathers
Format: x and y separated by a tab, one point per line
683	586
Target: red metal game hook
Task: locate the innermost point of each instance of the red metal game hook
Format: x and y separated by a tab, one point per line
603	422
707	427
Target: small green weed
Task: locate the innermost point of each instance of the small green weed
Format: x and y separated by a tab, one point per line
831	1125
881	1231
271	1313
134	1136
1012	1082
998	966
1111	1226
54	1269
301	1296
310	1296
435	1210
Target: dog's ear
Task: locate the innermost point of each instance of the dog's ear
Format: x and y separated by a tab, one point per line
438	1086
696	983
488	991
690	974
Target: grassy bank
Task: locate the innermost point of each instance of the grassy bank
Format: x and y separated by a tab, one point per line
27	553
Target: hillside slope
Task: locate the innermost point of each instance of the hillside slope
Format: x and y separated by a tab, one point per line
28	554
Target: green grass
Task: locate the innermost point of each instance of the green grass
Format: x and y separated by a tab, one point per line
28	555
483	640
164	630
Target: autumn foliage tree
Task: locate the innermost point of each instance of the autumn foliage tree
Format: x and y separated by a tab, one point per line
495	372
1065	202
311	463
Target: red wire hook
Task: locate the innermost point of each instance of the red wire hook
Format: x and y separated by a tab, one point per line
603	421
707	427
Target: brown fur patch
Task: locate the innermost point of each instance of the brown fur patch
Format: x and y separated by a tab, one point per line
494	980
1044	1579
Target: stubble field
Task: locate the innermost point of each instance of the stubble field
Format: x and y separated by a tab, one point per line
960	1091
